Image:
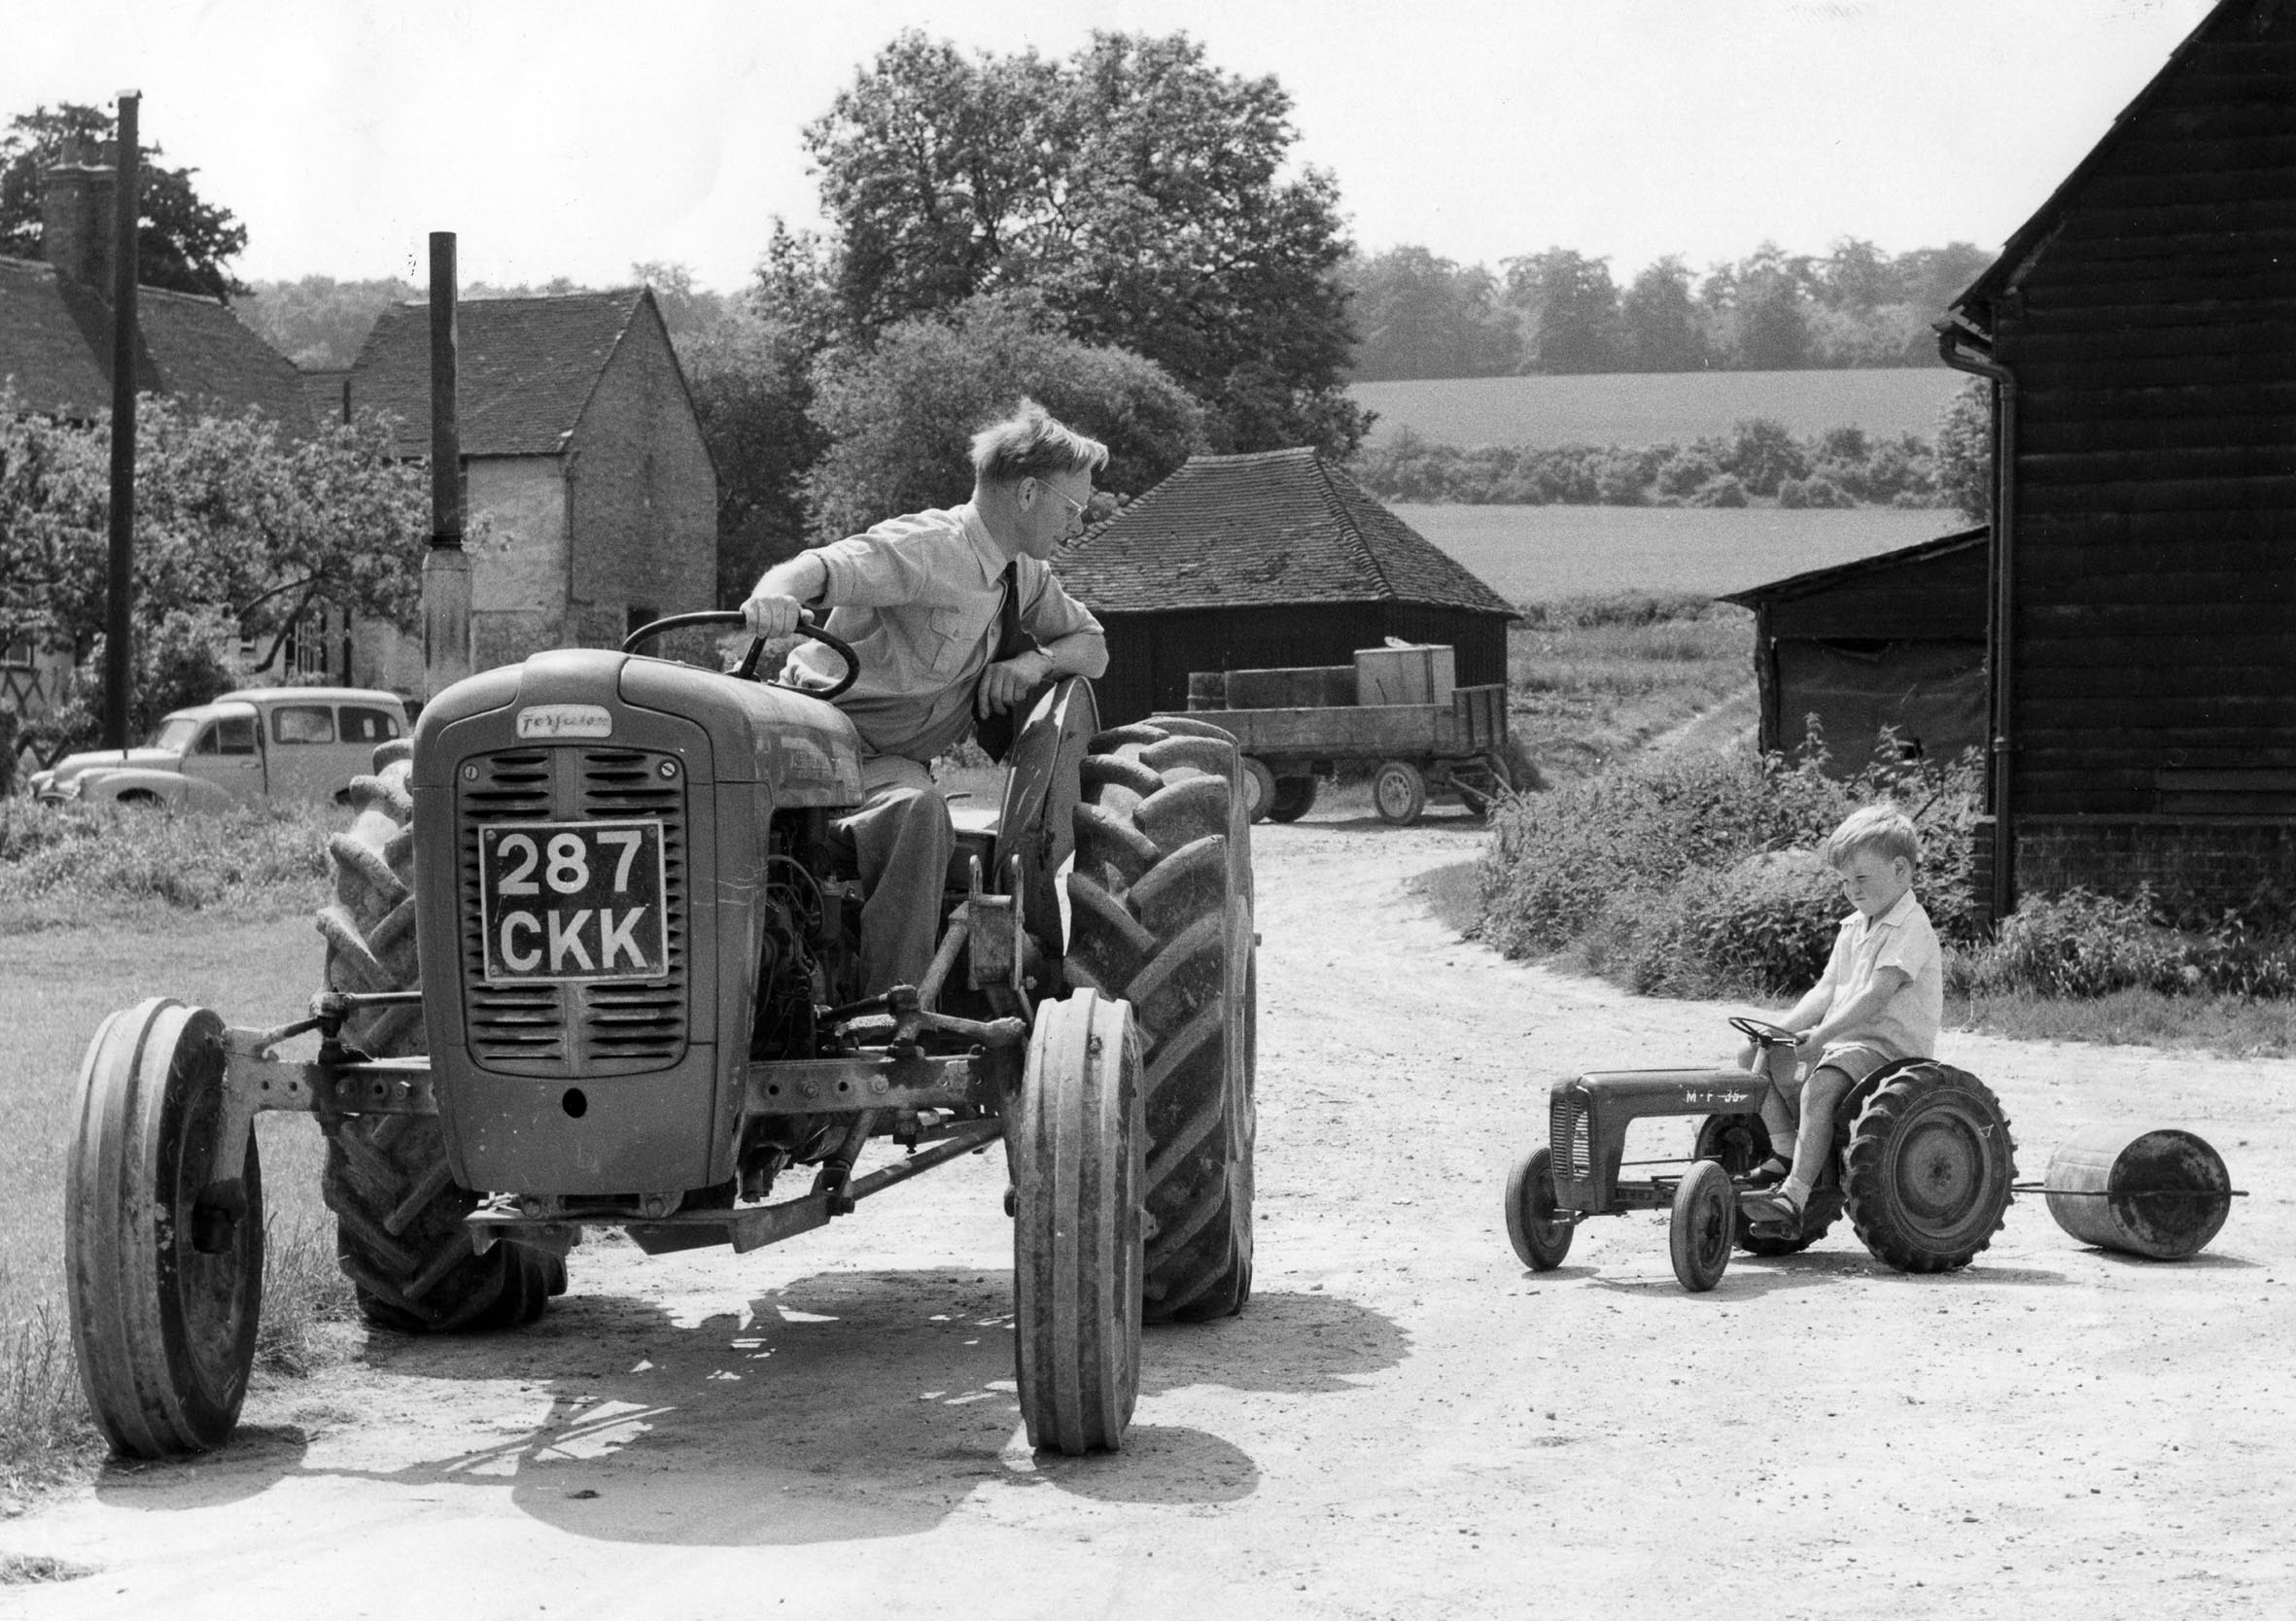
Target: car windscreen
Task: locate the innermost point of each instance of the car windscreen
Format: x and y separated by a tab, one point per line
175	734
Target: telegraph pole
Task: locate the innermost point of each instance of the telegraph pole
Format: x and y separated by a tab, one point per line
120	617
446	566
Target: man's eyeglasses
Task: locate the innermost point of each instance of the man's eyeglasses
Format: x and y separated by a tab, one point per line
1082	510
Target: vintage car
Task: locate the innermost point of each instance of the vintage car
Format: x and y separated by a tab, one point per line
264	743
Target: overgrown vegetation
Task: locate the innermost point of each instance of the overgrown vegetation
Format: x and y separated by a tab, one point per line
1591	678
60	864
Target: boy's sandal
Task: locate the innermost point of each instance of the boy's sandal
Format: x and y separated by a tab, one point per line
1771	1207
1768	1174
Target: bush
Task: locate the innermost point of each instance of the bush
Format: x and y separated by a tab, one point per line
2080	944
1724	491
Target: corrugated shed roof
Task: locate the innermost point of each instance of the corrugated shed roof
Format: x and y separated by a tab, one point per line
1820	579
1274	526
55	343
525	368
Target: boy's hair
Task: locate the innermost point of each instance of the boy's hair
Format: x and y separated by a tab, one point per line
1884	829
1030	443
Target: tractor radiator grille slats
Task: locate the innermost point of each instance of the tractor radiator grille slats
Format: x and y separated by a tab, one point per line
1567	1138
570	1029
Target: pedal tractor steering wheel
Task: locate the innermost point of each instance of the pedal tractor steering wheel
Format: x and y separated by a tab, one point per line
749	669
1765	1035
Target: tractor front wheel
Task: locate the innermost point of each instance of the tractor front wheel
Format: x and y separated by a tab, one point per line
1161	908
164	1292
1704	1221
1076	1142
398	1216
1539	1231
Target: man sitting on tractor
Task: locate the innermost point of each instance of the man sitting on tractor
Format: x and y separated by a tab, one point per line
1881	999
923	601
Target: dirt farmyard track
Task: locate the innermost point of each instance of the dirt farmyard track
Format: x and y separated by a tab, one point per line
1405	1422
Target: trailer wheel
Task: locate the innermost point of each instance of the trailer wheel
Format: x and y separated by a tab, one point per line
1539	1231
1928	1169
1077	1141
1740	1142
1699	1234
398	1217
165	1295
1294	797
1259	789
1398	793
1161	914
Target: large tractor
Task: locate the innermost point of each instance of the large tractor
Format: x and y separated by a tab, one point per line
592	961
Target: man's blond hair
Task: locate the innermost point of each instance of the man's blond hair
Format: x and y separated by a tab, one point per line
1884	829
1030	443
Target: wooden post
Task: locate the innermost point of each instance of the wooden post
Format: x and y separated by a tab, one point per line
446	566
120	615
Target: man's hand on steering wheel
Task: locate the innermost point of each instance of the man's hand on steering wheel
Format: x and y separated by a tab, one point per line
1002	685
768	614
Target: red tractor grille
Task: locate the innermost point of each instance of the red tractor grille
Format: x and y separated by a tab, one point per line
574	1028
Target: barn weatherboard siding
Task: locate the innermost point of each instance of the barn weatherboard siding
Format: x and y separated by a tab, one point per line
2141	334
1263	560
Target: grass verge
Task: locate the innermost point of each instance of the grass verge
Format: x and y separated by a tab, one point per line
1590	679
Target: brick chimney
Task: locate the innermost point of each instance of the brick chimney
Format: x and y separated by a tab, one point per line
76	215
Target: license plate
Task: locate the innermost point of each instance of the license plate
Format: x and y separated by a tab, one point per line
573	901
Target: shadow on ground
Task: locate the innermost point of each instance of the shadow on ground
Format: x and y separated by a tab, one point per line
844	1405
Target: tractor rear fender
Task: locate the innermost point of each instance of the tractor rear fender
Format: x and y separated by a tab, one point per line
1038	821
1588	1117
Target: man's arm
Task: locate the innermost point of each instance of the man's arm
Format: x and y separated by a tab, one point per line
1078	653
781	593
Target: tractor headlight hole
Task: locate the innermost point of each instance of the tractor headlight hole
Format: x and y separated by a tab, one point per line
574	1103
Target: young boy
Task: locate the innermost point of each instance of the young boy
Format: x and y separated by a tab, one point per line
1880	999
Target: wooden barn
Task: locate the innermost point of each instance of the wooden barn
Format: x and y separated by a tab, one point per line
1266	559
1894	640
2141	336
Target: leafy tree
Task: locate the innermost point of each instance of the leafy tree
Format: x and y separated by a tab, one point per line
687	310
1421	315
183	242
1137	189
318	322
1569	310
231	517
901	415
1764	454
1760	306
752	390
1658	324
1965	451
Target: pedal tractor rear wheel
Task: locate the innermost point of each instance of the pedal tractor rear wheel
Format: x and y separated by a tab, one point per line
398	1216
1539	1229
1160	915
164	1295
1698	1236
1077	1157
1928	1169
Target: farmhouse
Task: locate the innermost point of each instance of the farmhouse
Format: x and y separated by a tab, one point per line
56	352
1266	559
2141	334
582	460
1893	641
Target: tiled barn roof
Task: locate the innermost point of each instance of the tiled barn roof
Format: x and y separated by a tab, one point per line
1274	526
525	368
55	344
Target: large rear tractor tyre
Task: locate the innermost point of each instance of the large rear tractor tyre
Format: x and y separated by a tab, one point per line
1928	1169
164	1296
1740	1142
1540	1232
1161	914
398	1216
1077	1143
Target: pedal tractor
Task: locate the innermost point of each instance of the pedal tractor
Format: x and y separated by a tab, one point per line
1922	1161
636	1004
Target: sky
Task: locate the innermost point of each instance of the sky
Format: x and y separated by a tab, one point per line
580	137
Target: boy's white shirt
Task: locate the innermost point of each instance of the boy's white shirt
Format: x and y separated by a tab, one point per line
1906	1027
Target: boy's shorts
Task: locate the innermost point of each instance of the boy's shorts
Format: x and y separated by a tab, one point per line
1854	1059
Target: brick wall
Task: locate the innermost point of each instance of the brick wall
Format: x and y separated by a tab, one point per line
2187	863
644	507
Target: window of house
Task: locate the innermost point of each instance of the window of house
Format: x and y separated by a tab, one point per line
363	725
231	735
15	655
301	723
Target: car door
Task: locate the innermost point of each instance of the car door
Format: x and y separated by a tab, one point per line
228	753
359	728
302	751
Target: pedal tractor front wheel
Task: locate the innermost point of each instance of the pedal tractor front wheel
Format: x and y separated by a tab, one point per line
164	1292
1077	1146
1539	1231
1704	1221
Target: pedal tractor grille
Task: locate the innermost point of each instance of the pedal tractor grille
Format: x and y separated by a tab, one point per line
573	1029
1567	1137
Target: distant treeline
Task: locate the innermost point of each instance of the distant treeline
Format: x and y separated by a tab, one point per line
1418	316
1759	460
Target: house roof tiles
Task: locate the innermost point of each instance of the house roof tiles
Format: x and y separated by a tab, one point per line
525	368
1253	531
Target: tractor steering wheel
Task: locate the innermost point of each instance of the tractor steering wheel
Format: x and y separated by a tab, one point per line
1765	1035
749	669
